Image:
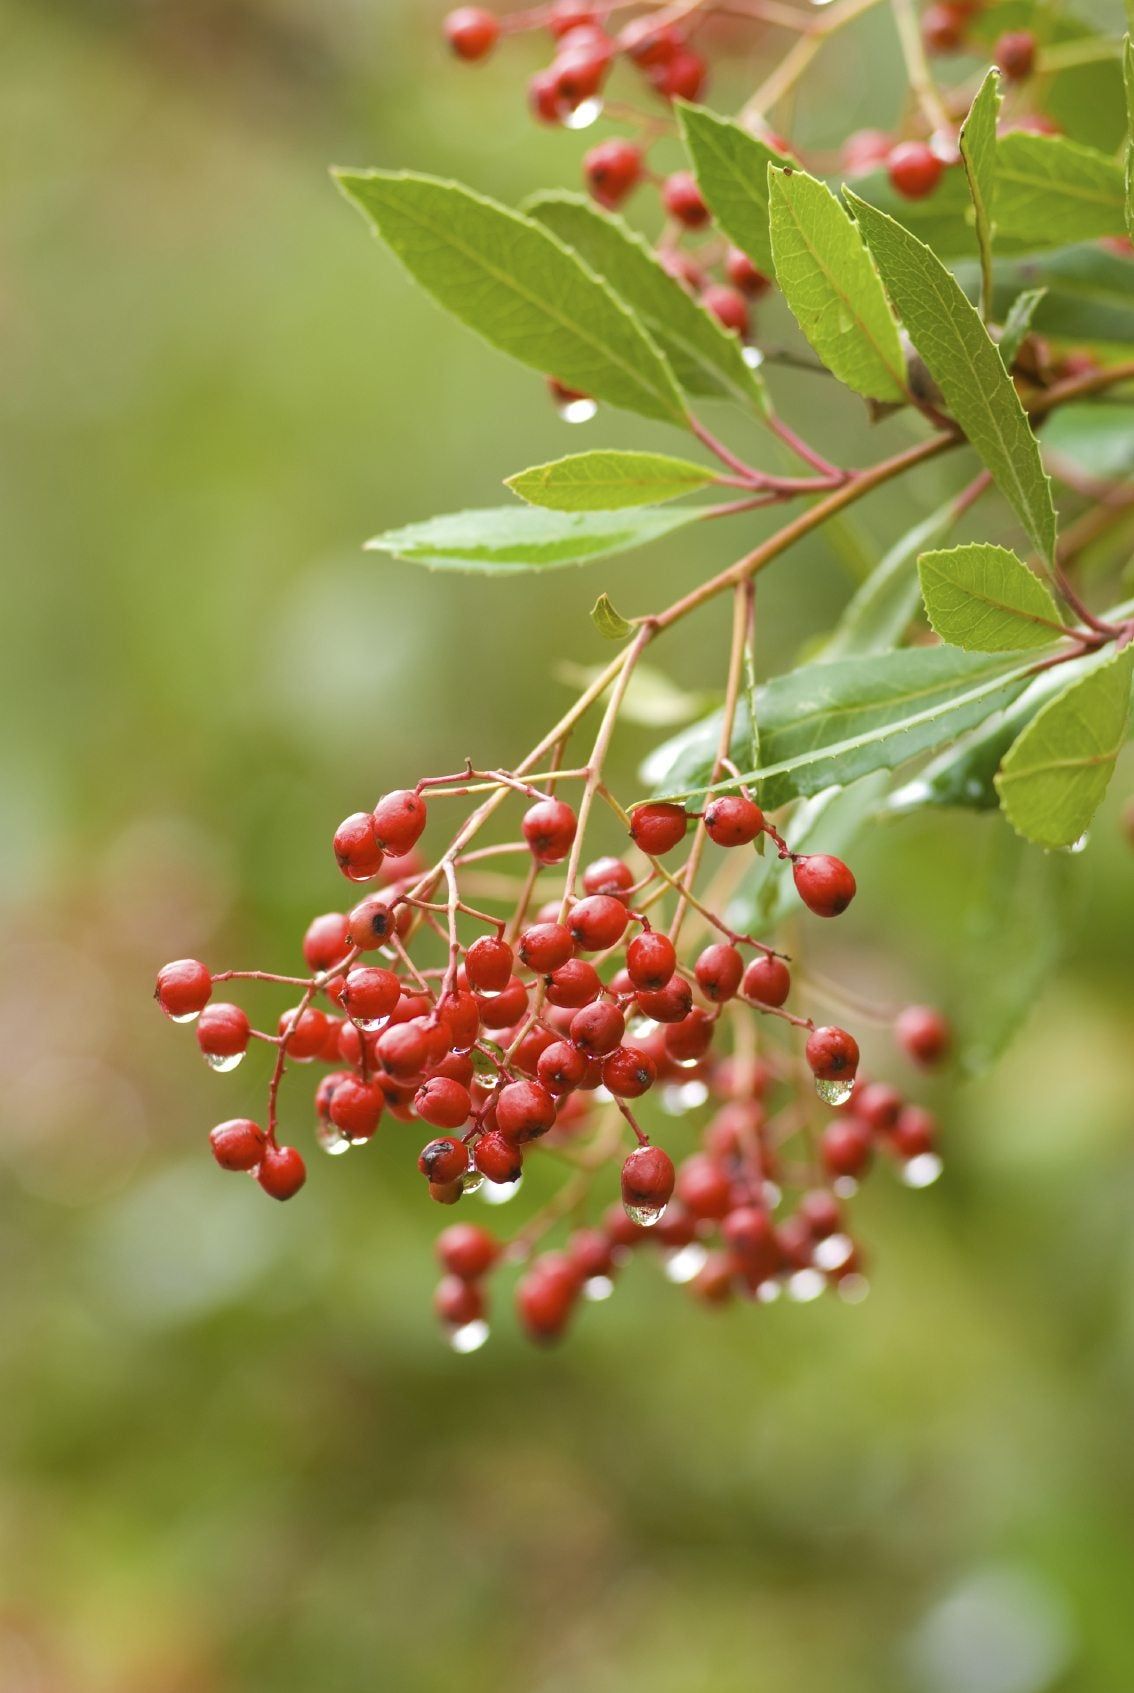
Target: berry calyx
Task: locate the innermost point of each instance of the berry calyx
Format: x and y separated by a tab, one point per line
824	884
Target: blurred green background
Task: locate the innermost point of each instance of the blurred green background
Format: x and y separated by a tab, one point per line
236	1455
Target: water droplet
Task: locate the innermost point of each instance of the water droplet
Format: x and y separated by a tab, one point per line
499	1193
845	320
580	410
853	1289
186	1017
644	1215
772	1195
686	1263
638	1027
470	1337
768	1292
845	1187
472	1181
598	1288
370	1025
331	1139
922	1171
222	1063
832	1253
602	1096
680	1097
806	1285
583	115
836	1092
1081	844
483	1066
752	356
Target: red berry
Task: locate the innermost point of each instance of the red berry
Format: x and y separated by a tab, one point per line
404	1049
549	829
223	1031
612	170
824	884
399	819
371	923
943	28
733	821
460	1014
498	1158
924	1034
598	922
748	1232
238	1144
505	1009
914	169
445	1160
718	971
327	941
689	1040
681	77
369	995
561	1067
914	1133
650	44
591	1253
681	198
598	1028
524	1111
866	150
878	1105
443	1103
579	71
767	981
742	273
546	1295
629	1072
820	1211
608	876
713	1283
647	1183
575	983
651	959
1015	53
472	32
282	1172
669	1004
457	1303
183	989
305	1033
832	1054
846	1147
466	1250
657	828
356	847
728	306
543	97
566	15
356	1107
684	268
488	964
703	1187
545	946
447	1193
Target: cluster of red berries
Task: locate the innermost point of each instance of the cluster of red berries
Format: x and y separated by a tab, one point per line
543	1028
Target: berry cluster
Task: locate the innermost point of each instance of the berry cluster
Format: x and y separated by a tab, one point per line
534	1029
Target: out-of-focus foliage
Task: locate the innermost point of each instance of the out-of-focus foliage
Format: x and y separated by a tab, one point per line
235	1455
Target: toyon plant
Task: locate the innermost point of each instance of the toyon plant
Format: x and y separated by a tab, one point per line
501	985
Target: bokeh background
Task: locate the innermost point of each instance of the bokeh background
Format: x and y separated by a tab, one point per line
235	1453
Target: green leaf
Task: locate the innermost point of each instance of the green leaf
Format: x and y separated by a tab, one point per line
608	481
519	287
1088	298
977	142
731	168
510	539
1056	773
984	599
1097	439
1017	324
884	606
1015	931
826	724
706	358
1053	191
1128	80
966	366
651	700
610	623
829	281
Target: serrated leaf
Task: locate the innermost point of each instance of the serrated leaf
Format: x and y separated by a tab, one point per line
1053	191
881	611
610	623
509	539
964	362
827	724
651	700
977	142
731	168
829	281
1055	775
519	287
983	598
706	358
607	480
1017	324
1088	295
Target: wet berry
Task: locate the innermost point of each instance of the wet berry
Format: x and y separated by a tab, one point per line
824	884
914	169
399	819
651	959
282	1172
924	1034
832	1054
524	1111
238	1144
498	1158
647	1181
444	1160
472	32
183	989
